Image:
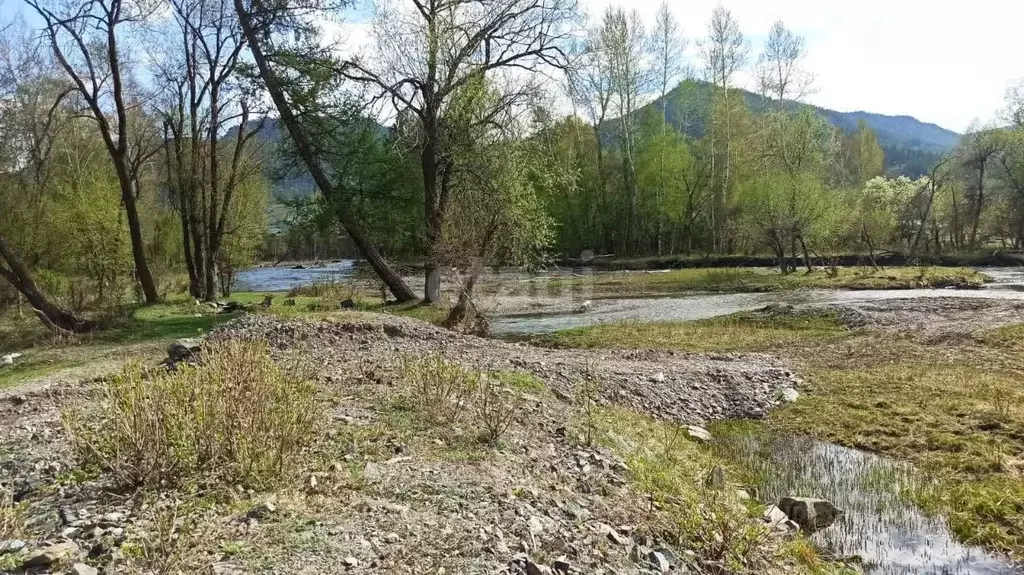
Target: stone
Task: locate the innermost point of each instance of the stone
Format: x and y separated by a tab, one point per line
52	554
658	377
268	300
809	513
788	394
9	358
183	349
715	478
583	307
83	569
262	511
775	517
348	304
698	433
350	562
537	569
615	537
658	561
11	546
290	302
113	517
562	565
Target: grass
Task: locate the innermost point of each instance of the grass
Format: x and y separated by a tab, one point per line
955	409
762	280
144	331
683	507
737	332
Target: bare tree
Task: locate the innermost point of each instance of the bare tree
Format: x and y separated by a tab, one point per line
724	52
289	92
979	148
427	51
205	100
667	44
780	73
625	48
86	37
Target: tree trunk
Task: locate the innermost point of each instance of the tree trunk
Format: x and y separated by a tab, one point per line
977	206
135	232
49	313
366	246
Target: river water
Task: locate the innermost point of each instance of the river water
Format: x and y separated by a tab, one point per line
1008	284
284	278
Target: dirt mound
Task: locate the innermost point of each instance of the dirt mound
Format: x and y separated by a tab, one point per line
690	388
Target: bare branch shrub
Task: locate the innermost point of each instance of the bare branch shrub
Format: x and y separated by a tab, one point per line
236	417
495	408
440	388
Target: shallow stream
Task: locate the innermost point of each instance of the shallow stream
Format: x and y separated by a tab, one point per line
885	531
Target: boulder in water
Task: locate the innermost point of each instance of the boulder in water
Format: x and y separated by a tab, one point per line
809	513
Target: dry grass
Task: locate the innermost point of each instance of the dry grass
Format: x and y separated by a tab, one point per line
236	418
11	516
495	408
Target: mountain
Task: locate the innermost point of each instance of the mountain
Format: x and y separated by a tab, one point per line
911	146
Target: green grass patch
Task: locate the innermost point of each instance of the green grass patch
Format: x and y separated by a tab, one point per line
738	332
762	280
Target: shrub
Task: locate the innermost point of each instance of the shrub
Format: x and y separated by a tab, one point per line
441	389
495	407
236	417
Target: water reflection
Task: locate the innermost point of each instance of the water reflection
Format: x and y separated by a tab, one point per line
888	533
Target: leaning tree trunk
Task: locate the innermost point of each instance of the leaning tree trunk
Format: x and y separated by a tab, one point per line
51	315
359	236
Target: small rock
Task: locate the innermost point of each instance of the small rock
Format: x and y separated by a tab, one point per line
9	358
262	511
659	561
537	569
562	565
715	478
11	546
775	517
742	495
113	517
789	394
698	433
52	554
350	562
391	538
617	538
183	349
348	304
83	569
658	377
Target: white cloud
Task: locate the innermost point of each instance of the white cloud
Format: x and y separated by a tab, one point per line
940	61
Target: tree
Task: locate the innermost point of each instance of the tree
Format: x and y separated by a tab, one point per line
28	129
724	52
425	53
977	149
85	38
780	73
862	156
668	46
289	73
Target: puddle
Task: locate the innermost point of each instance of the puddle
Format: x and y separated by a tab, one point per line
888	533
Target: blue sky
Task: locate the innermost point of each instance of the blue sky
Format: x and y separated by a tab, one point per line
941	61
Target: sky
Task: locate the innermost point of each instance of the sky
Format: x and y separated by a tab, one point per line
948	62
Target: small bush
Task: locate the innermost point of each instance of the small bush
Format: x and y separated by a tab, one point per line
495	408
236	417
11	516
441	389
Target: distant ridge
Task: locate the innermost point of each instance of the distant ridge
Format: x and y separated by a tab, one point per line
911	146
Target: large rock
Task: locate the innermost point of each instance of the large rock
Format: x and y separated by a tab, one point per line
53	554
809	513
184	349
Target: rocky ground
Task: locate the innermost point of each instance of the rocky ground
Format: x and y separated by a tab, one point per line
931	318
382	493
